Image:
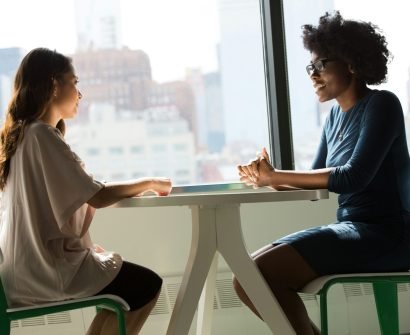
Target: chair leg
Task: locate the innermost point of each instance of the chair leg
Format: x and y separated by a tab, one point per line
121	323
385	295
5	327
323	312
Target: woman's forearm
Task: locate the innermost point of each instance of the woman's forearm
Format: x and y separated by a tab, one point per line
115	191
312	179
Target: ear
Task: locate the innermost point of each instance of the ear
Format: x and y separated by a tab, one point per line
55	88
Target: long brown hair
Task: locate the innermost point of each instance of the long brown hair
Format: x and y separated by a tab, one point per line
33	90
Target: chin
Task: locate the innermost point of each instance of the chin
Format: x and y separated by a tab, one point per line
324	98
71	115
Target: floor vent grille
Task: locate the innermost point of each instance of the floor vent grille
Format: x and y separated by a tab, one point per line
56	318
225	297
162	306
226	294
37	321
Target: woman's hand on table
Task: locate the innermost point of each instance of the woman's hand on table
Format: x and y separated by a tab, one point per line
161	186
258	172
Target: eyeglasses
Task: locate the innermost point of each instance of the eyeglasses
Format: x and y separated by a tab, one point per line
318	66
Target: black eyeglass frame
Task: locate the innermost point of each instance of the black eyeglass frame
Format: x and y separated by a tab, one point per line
318	66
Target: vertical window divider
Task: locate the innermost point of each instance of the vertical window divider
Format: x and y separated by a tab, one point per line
277	85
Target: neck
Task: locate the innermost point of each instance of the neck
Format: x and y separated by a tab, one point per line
350	97
51	117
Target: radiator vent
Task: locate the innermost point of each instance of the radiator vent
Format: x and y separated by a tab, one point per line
172	289
226	294
162	306
50	319
37	321
403	287
367	289
307	296
56	318
224	298
353	290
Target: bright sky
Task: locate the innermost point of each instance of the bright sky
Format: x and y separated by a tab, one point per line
175	34
178	34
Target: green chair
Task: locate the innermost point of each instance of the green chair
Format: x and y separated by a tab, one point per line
385	294
106	301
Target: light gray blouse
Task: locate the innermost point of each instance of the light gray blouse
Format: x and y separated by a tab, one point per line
47	249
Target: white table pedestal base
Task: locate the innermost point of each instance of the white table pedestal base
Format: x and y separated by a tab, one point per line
218	228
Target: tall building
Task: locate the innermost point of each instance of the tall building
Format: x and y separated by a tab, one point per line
408	92
122	78
195	80
5	92
10	59
177	94
307	114
407	116
209	109
215	112
98	24
154	142
242	71
118	77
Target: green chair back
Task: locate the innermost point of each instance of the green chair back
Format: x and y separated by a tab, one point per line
385	295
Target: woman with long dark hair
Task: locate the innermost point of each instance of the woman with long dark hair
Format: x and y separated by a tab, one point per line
48	202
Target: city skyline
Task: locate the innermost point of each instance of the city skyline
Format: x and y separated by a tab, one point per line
221	93
143	27
59	32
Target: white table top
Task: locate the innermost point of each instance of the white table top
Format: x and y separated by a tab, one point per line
220	195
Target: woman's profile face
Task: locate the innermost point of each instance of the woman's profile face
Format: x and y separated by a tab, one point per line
331	78
67	96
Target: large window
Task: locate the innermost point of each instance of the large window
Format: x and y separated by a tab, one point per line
307	114
174	88
177	88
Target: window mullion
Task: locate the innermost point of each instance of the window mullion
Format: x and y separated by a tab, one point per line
277	86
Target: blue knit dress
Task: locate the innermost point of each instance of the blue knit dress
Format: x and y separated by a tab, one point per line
367	148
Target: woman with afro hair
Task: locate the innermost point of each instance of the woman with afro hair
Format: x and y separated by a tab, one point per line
362	156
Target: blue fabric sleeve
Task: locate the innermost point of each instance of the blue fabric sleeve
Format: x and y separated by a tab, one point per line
381	125
320	159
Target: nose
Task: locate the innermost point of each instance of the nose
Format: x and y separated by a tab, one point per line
314	74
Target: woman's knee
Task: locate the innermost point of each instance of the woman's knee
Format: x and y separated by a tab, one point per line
283	267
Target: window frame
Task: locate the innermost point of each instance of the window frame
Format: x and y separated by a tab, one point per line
277	84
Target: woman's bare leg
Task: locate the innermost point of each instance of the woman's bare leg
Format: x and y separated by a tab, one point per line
285	271
106	323
98	322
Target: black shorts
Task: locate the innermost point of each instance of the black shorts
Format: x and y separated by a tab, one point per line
136	284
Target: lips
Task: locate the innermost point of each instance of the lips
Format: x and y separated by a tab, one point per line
318	86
